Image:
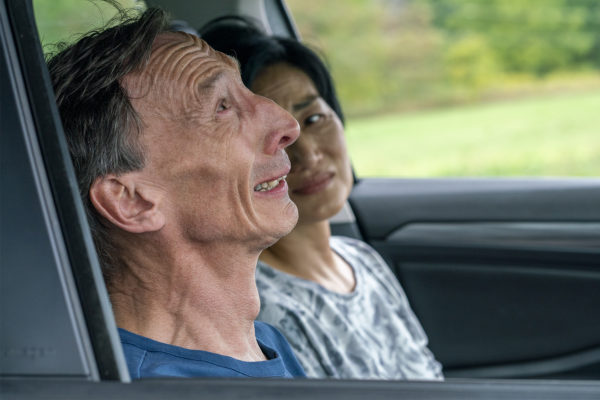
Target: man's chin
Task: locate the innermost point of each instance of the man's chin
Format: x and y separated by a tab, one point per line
281	226
291	212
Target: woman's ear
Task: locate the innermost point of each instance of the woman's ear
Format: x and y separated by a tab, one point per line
127	203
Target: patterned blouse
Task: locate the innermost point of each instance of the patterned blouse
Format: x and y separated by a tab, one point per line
370	333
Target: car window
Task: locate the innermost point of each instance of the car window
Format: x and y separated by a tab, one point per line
65	20
464	88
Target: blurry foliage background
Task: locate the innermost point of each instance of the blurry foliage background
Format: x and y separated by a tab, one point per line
66	20
463	87
389	55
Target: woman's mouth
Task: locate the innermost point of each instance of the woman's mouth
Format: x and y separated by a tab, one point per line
314	184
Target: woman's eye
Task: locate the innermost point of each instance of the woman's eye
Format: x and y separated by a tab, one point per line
313	119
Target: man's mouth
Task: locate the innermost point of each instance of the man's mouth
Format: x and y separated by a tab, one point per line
269	185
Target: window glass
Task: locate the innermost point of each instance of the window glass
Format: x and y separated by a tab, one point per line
40	330
66	20
464	87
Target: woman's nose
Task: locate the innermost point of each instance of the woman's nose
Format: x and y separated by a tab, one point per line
305	154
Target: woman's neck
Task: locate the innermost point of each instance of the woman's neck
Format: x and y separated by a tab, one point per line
306	253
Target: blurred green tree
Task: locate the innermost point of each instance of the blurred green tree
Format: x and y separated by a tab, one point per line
66	20
534	36
381	53
387	55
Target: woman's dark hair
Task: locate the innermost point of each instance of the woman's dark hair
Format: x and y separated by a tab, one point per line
241	37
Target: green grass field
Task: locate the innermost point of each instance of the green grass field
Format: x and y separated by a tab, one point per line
554	135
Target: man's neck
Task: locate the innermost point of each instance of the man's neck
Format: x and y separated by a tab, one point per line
306	253
206	300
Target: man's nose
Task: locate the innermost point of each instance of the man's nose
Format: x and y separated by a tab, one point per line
282	128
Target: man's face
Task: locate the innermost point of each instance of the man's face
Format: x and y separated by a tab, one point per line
213	148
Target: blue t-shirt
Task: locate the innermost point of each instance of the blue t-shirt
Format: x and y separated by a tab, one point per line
147	358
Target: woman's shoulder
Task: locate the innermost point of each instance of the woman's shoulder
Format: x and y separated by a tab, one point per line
367	263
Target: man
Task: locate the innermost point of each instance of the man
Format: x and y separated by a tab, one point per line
182	170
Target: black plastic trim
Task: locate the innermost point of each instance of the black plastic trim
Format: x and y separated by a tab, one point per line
51	254
554	365
383	205
225	389
567	236
466	254
286	17
82	255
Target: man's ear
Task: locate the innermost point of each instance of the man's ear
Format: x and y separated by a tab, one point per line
127	203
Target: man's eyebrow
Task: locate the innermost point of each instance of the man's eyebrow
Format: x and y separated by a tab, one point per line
304	103
208	84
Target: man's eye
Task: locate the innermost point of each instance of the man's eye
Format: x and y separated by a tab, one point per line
223	105
313	119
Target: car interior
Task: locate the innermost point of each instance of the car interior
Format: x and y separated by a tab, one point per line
503	273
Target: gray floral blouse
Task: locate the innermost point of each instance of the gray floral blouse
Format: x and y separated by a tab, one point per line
371	333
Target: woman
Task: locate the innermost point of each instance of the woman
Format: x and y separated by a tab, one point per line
334	298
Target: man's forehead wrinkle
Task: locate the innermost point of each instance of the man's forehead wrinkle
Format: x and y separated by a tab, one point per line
200	88
211	73
170	103
179	65
166	58
203	74
181	69
137	85
176	37
183	39
182	74
179	41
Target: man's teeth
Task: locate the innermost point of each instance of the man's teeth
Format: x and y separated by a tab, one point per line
266	186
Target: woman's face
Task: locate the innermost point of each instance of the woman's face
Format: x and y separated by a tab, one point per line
321	177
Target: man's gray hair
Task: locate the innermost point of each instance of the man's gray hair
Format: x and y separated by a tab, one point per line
101	126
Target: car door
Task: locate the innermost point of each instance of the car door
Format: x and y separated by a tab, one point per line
504	274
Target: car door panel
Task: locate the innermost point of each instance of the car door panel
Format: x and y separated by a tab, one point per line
503	273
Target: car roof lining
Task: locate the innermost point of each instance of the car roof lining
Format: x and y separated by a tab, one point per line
272	14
